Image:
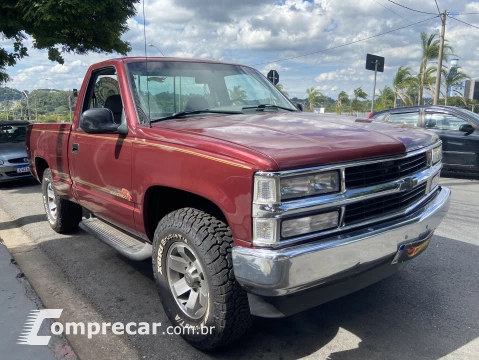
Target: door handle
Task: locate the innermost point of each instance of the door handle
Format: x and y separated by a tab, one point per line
75	148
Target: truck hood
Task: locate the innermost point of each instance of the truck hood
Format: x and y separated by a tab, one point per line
298	139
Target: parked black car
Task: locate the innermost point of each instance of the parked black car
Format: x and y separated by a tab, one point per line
458	129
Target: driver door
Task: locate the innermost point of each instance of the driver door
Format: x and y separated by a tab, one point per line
100	164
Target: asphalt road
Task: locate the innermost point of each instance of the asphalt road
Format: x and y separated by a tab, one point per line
427	311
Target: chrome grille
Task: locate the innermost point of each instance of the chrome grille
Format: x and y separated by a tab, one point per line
22	160
384	171
382	206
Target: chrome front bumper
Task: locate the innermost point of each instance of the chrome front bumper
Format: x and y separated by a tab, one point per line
280	272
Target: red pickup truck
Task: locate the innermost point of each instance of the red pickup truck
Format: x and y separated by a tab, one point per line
246	205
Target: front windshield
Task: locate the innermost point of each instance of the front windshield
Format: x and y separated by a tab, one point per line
12	133
170	87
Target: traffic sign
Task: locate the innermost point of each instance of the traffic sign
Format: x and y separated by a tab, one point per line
273	76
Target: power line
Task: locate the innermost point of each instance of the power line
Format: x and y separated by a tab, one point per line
473	13
343	45
474	26
437	5
419	11
384	6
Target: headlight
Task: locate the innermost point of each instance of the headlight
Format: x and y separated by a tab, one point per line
1	162
309	185
436	155
310	224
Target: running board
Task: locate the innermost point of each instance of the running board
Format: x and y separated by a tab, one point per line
127	245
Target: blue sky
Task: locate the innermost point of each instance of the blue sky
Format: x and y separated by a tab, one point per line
255	32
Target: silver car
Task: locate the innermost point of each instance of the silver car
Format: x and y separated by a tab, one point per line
13	156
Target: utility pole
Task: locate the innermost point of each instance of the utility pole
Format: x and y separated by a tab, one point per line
441	55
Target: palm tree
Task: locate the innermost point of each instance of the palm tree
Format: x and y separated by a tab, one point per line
281	88
360	94
237	94
356	104
453	76
314	97
402	81
342	98
430	80
386	98
430	51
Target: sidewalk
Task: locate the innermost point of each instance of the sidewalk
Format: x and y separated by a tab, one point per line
17	299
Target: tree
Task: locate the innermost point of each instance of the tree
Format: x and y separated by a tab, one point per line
237	94
281	88
453	76
356	104
314	97
343	98
386	99
430	51
74	26
402	81
360	94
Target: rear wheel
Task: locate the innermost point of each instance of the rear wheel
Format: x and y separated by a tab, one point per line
63	215
193	269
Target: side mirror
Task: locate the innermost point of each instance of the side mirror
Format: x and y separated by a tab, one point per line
300	106
98	121
467	128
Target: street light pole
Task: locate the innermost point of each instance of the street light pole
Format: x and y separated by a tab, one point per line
375	78
28	105
151	45
441	55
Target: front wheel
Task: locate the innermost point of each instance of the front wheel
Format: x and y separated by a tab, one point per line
193	270
63	215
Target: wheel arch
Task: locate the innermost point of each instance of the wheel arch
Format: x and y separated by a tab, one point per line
40	166
159	201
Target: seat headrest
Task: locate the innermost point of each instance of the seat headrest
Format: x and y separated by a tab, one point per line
113	102
196	102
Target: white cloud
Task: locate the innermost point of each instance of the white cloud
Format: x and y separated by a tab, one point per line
259	31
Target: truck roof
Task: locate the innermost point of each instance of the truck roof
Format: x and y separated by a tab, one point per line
160	58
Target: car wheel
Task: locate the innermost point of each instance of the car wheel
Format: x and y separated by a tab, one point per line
193	269
63	215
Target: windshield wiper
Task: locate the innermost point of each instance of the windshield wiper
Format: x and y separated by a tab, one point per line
264	106
186	113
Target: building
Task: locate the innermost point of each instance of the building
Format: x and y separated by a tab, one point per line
471	89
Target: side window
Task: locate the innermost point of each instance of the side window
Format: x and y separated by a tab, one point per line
441	121
105	84
104	92
407	119
379	117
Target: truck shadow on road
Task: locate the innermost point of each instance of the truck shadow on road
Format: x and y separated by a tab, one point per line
426	311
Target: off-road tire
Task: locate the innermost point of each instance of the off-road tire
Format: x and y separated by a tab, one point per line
211	241
68	214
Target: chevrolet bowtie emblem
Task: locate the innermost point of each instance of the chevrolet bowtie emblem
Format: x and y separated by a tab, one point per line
407	184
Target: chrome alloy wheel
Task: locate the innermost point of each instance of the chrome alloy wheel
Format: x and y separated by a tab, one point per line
50	201
187	280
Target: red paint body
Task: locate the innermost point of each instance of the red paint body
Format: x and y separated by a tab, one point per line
212	156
